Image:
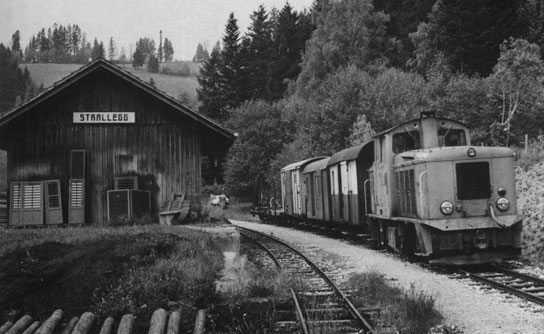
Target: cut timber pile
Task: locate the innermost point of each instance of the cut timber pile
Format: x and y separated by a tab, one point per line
161	323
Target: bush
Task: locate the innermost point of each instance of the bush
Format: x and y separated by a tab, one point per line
404	311
532	154
184	279
146	219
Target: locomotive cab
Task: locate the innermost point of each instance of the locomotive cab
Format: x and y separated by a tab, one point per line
436	196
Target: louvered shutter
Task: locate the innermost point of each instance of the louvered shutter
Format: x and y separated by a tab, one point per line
53	202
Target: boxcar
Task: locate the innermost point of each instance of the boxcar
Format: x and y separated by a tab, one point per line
348	172
316	182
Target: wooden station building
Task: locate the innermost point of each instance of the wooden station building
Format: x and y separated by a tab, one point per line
102	142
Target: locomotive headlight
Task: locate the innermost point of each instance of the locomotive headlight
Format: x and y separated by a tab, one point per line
471	152
503	204
501	191
446	207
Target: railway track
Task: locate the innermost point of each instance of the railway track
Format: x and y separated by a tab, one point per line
524	286
322	307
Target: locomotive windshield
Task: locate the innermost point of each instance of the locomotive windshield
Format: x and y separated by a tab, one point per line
406	141
451	137
473	180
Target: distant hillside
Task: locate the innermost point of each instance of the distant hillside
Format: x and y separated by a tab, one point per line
173	85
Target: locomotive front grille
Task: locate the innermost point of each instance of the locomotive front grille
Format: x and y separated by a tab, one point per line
406	195
473	181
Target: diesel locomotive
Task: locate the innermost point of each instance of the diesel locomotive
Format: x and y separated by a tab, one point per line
419	188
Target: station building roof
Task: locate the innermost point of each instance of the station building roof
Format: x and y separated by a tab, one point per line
101	63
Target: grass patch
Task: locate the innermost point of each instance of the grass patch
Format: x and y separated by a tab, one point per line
401	311
175	86
251	292
110	271
240	211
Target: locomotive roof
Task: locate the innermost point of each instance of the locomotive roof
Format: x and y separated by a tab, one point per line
127	76
316	165
348	154
417	120
300	164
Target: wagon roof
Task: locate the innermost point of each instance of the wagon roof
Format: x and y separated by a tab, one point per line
316	165
351	153
127	76
300	164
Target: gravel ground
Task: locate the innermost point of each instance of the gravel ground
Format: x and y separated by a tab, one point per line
469	306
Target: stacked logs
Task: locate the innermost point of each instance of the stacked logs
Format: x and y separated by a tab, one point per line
161	323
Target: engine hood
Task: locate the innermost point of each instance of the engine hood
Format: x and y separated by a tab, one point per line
450	153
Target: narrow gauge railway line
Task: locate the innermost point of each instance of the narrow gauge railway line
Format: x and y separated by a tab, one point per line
527	287
524	286
323	307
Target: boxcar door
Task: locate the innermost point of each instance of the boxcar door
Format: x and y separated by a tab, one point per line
287	192
296	192
326	195
353	193
335	193
318	196
344	197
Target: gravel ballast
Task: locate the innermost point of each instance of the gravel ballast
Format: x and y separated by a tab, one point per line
462	302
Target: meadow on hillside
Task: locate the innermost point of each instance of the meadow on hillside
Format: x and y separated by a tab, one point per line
173	85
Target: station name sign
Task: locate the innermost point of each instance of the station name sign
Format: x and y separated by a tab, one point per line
104	117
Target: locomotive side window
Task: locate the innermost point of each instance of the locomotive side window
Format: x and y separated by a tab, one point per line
406	141
473	181
451	137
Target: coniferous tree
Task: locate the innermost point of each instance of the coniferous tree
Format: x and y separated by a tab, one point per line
97	50
335	44
153	64
467	34
201	53
168	50
160	54
138	58
210	93
405	16
13	83
291	31
258	56
111	50
231	80
16	44
531	22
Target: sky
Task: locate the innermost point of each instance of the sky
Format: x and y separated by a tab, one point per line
186	23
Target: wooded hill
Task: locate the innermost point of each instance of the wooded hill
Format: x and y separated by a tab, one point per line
368	65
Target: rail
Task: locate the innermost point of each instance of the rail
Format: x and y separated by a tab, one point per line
351	308
524	286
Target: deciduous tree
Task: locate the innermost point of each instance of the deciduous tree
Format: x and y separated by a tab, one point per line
517	81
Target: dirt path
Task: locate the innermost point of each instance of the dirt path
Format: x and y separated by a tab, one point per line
474	310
